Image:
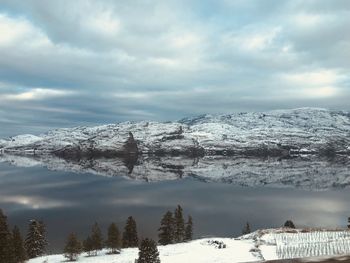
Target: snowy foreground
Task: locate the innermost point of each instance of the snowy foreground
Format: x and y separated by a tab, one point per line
259	246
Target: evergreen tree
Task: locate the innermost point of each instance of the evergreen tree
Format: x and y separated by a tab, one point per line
289	223
179	225
87	245
113	241
35	242
166	235
189	229
130	238
19	251
96	238
148	252
246	230
6	251
72	248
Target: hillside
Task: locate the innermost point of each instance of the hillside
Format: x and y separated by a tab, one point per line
268	244
273	133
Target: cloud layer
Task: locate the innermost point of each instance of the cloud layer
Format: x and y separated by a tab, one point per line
67	63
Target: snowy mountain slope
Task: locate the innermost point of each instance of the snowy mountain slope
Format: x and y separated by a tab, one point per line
273	133
267	244
311	173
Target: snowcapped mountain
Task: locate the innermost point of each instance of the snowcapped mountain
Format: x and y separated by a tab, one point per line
305	148
273	133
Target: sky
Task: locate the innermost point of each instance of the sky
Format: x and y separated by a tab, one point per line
68	63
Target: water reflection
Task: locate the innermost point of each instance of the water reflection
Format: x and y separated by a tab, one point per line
72	202
307	172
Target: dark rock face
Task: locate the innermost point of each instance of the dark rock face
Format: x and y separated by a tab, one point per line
130	146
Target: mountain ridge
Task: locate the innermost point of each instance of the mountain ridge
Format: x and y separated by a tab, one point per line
270	133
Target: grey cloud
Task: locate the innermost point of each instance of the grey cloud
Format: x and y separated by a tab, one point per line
165	60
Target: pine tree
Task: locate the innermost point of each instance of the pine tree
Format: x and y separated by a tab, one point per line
179	225
18	246
130	238
87	245
166	235
72	248
289	223
189	229
6	251
246	230
96	238
35	242
113	241
148	252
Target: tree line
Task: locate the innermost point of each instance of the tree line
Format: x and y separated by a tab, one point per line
13	249
173	229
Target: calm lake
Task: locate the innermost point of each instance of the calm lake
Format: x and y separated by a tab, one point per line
68	201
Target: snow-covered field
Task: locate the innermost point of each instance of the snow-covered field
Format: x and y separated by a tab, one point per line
261	245
201	250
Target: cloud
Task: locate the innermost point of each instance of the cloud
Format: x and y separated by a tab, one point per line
315	84
88	62
36	94
103	23
14	31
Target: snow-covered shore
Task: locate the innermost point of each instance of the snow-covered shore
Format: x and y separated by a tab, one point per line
262	245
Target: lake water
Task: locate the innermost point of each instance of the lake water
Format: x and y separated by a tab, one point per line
68	201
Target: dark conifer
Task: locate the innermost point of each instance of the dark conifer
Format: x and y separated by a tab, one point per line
189	229
35	242
289	223
6	251
246	230
130	238
19	251
179	225
96	238
113	241
148	252
72	248
166	235
87	245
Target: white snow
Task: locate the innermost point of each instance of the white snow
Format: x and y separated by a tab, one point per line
268	244
198	251
308	130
